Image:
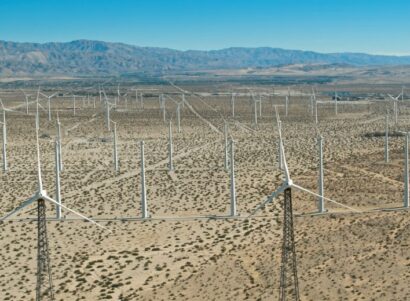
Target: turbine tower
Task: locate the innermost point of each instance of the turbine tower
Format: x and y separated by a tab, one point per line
289	286
321	201
226	146
233	190
170	148
406	172
233	105
144	207
5	164
386	140
44	285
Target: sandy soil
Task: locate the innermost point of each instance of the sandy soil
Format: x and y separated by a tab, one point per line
186	251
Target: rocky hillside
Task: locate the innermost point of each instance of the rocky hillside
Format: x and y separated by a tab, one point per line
84	57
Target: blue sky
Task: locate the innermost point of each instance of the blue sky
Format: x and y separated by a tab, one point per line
381	27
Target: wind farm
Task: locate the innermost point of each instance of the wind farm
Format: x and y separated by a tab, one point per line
202	191
204	150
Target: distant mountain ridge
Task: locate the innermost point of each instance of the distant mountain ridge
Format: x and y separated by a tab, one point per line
86	57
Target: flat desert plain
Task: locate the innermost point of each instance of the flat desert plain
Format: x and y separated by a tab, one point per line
190	248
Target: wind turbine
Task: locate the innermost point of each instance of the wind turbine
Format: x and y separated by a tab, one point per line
226	146
321	202
43	260
232	180
288	184
136	95
255	111
49	103
27	102
115	146
37	112
233	104
315	103
108	106
58	182
5	165
289	279
60	156
287	102
144	206
163	107
386	140
170	148
406	172
395	106
42	194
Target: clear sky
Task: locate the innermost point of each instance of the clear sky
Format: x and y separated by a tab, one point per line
372	26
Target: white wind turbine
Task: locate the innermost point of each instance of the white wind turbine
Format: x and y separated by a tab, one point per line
5	165
315	104
179	117
321	201
226	146
49	103
255	111
58	186
144	205
233	211
170	148
41	194
406	172
4	138
386	140
406	193
289	184
27	102
108	107
60	156
115	148
395	106
37	112
233	104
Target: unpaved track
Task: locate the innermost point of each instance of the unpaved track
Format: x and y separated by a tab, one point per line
133	173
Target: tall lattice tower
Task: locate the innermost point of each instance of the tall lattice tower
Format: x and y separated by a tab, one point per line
44	289
289	288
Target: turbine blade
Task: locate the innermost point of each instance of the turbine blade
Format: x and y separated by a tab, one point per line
40	182
20	207
285	163
269	199
75	212
391	96
327	199
39	104
38	93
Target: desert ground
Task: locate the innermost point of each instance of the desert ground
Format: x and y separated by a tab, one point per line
190	248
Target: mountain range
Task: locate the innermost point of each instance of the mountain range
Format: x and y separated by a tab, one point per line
86	57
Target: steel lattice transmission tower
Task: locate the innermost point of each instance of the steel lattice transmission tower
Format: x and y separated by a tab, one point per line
44	288
289	287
